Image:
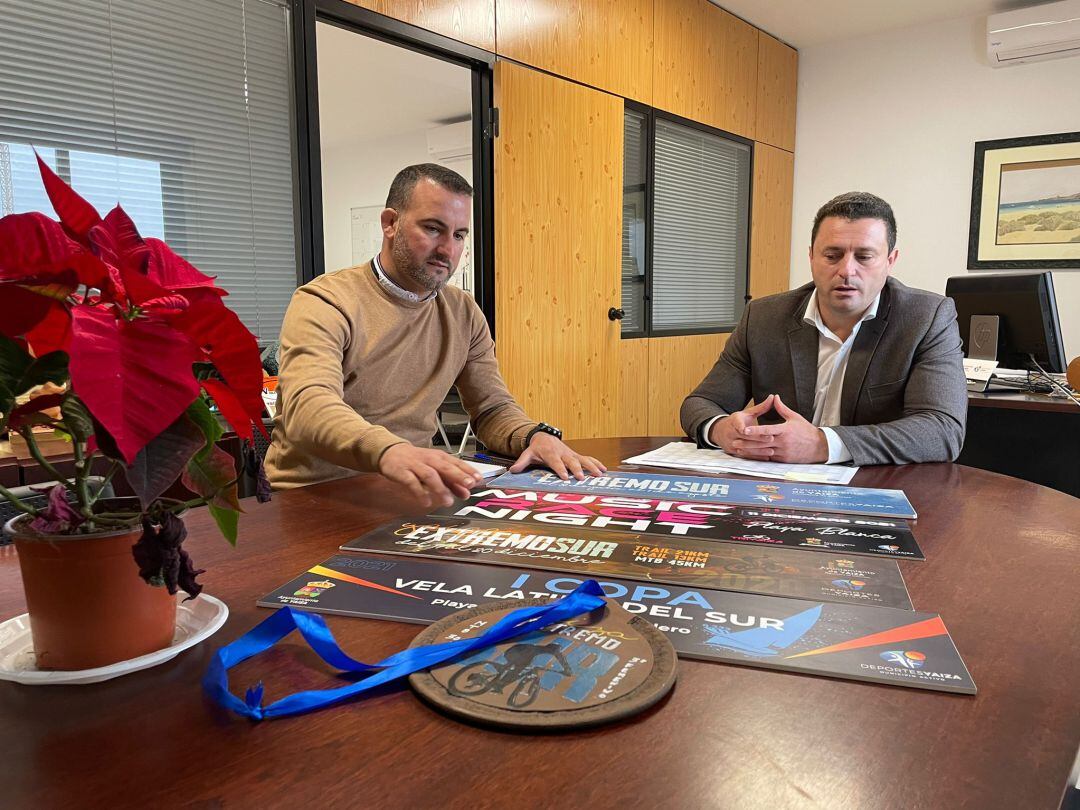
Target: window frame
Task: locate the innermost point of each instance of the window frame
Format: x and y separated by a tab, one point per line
309	237
651	116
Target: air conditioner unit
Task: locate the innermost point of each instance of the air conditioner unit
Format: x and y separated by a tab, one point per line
450	142
1050	31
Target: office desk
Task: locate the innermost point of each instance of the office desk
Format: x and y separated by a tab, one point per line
1028	436
1002	569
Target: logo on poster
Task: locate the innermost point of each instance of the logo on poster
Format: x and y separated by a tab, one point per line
888	547
849	584
909	659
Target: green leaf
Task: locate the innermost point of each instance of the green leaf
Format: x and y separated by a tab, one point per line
19	372
77	418
157	466
51	367
199	413
213	476
14	362
227	520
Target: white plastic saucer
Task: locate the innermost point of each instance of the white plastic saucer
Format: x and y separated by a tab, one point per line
195	620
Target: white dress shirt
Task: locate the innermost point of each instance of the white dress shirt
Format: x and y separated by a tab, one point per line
832	361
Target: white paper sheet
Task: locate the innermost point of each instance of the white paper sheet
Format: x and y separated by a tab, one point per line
685	456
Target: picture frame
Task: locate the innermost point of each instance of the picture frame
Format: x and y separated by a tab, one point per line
1025	198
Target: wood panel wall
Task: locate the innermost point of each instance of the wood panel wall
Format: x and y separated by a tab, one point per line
603	43
777	72
558	248
705	65
676	366
468	21
634	384
770	233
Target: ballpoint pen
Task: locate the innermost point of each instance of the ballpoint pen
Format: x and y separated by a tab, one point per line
488	459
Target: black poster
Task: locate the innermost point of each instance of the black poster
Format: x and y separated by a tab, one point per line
834	534
683	561
882	645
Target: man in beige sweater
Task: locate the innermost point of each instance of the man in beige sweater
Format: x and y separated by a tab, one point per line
368	354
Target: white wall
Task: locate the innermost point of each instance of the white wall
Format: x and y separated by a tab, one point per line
359	174
898	115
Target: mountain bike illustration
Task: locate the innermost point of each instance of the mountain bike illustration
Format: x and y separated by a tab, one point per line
518	669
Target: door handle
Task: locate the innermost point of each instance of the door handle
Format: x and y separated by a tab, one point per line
616	314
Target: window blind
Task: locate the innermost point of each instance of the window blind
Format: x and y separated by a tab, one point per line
635	128
700	215
181	111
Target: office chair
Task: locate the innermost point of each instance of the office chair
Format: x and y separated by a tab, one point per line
452	406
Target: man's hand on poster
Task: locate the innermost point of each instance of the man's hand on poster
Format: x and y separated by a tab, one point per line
545	450
431	475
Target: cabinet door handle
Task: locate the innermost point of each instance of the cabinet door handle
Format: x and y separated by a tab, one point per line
616	314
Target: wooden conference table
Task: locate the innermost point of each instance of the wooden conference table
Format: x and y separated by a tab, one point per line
1002	569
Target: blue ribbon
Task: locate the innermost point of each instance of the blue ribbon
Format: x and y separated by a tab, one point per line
586	598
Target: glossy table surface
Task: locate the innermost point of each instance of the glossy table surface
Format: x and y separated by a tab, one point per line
1003	559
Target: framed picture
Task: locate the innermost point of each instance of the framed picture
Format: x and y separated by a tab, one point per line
1025	204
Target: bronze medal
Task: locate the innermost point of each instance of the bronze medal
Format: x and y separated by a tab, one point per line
595	668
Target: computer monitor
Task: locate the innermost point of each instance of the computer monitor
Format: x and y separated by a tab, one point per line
1027	317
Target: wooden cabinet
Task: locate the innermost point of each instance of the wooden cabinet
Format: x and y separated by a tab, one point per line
469	21
558	206
770	221
603	43
705	65
777	71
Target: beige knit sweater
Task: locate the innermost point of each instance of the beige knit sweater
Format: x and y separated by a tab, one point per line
361	370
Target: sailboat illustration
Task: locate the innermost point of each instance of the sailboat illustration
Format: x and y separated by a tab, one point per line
765	641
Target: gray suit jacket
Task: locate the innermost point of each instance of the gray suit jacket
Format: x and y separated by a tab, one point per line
904	397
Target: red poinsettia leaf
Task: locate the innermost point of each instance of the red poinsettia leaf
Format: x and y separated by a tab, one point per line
23	414
165	305
21	310
230	408
174	272
33	245
116	240
139	288
227	344
133	376
53	332
58	286
76	214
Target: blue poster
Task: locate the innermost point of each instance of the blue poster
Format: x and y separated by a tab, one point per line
738	491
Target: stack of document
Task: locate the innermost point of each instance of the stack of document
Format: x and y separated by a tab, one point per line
685	456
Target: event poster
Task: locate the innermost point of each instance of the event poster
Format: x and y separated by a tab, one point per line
778	571
883	645
835	534
737	491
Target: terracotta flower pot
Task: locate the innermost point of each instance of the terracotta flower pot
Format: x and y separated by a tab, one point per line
88	606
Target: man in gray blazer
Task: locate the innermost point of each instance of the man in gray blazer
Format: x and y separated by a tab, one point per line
854	366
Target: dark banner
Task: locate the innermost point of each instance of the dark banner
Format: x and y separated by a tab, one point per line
700	563
739	491
883	645
843	534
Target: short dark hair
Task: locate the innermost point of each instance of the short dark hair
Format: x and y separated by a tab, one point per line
855	205
405	181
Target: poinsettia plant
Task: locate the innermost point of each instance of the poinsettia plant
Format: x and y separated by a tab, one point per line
141	343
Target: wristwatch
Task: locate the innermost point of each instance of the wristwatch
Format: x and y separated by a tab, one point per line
543	428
